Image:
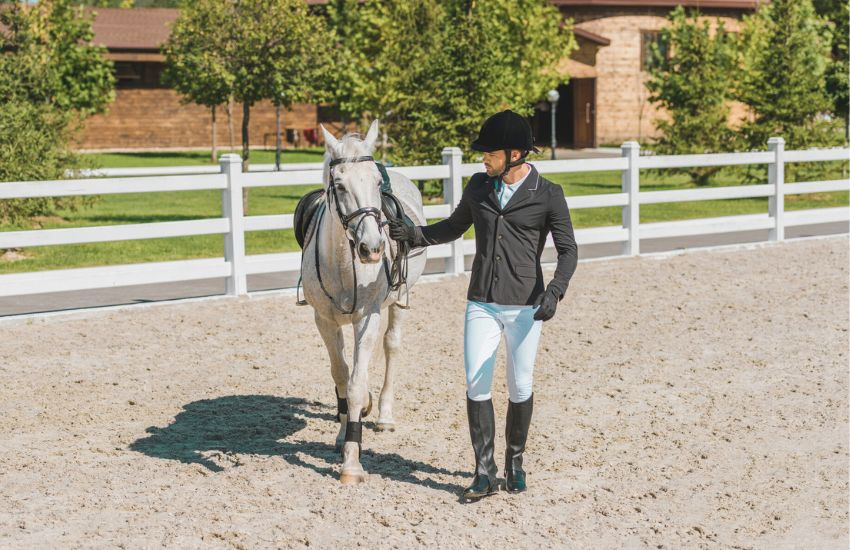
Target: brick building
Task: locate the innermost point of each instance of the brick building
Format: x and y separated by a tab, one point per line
148	115
604	102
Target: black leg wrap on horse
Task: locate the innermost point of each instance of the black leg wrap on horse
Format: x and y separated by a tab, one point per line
341	405
353	432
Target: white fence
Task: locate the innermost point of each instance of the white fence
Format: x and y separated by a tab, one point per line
235	266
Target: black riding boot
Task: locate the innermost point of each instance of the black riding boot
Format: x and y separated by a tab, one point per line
516	432
482	430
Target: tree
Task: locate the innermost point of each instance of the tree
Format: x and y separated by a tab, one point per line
837	12
48	59
32	147
132	3
785	57
693	84
195	65
51	79
434	70
263	50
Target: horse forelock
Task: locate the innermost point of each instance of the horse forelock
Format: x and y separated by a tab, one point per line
352	145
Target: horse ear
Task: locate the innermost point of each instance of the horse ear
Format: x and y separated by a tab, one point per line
372	136
331	143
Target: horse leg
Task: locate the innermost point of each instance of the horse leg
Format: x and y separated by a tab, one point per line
335	342
366	331
392	343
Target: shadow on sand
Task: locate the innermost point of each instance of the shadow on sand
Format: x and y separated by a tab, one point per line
255	424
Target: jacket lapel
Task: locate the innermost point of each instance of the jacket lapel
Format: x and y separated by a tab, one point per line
526	190
492	197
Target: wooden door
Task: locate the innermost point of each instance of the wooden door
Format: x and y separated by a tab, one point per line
584	112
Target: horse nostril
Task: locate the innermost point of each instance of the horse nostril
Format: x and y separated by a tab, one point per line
364	250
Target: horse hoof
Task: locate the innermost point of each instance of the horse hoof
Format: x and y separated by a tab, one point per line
385	427
368	408
352	478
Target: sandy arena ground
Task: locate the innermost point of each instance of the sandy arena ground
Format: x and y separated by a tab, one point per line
692	401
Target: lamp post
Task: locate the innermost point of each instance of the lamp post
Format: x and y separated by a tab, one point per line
553	97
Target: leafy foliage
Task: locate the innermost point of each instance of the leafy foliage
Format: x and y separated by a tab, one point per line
29	135
250	50
433	70
51	78
694	86
837	12
132	3
48	59
785	59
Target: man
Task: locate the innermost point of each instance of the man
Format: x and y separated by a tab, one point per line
513	210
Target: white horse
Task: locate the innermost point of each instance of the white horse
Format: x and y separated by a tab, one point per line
346	278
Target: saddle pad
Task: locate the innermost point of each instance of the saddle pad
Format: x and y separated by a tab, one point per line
304	212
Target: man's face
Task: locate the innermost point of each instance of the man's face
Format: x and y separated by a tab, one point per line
494	162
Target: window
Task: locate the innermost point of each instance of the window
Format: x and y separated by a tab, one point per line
127	72
138	74
647	39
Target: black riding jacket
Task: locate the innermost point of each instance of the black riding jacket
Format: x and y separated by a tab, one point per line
509	241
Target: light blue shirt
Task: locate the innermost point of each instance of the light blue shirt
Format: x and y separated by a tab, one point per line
506	191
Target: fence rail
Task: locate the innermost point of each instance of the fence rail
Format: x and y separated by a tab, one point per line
235	266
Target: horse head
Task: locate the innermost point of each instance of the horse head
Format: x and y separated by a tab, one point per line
354	186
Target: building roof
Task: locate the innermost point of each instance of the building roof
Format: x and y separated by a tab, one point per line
146	29
139	28
592	36
133	29
734	4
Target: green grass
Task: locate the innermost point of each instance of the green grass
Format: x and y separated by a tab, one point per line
190	205
195	158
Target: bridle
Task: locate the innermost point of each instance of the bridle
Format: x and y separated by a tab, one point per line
346	219
368	211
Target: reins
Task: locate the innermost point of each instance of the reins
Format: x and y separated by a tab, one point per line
397	275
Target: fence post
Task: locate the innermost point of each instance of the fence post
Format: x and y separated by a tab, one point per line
452	190
234	240
776	177
630	184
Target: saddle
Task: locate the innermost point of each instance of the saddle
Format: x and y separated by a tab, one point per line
310	203
306	209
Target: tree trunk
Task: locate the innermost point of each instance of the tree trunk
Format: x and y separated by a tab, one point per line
277	137
246	116
230	123
246	150
214	142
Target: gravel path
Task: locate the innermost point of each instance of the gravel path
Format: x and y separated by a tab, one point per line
697	400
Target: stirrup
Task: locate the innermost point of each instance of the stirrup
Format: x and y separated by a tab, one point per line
299	301
406	297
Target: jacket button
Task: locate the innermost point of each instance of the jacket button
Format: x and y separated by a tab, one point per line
498	257
496	277
498	236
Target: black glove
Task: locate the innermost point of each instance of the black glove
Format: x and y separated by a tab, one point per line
548	302
400	231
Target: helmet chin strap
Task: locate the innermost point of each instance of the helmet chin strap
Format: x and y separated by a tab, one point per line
509	164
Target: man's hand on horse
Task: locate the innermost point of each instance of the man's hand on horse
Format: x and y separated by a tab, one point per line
400	231
548	303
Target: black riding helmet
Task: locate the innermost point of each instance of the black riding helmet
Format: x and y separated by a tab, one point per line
506	131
